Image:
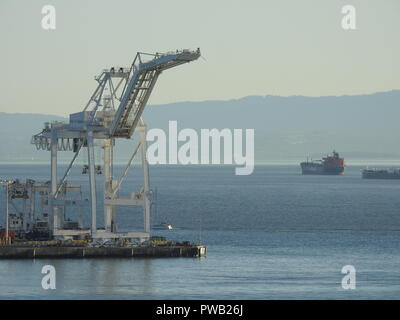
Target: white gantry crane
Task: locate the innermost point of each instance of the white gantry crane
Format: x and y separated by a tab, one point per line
113	111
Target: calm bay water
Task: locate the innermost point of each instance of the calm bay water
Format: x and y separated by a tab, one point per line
274	234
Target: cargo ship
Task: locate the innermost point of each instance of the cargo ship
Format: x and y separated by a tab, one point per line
380	173
329	165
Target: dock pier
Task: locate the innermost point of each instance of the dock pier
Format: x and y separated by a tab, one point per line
21	252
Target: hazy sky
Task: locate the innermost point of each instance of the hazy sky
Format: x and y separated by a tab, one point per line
253	47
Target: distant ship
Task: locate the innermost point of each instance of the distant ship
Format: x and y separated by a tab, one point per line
380	173
329	165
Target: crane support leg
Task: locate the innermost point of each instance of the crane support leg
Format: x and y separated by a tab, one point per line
92	180
146	181
54	209
32	207
108	209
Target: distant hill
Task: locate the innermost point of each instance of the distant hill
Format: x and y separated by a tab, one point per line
16	130
286	128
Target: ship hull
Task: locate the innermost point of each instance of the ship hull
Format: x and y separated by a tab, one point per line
380	175
309	168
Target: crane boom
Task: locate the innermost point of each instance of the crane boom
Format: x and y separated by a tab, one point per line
130	94
141	83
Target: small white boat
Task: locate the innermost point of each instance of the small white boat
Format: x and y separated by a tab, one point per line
162	226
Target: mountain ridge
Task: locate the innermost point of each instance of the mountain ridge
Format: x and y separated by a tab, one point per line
286	128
